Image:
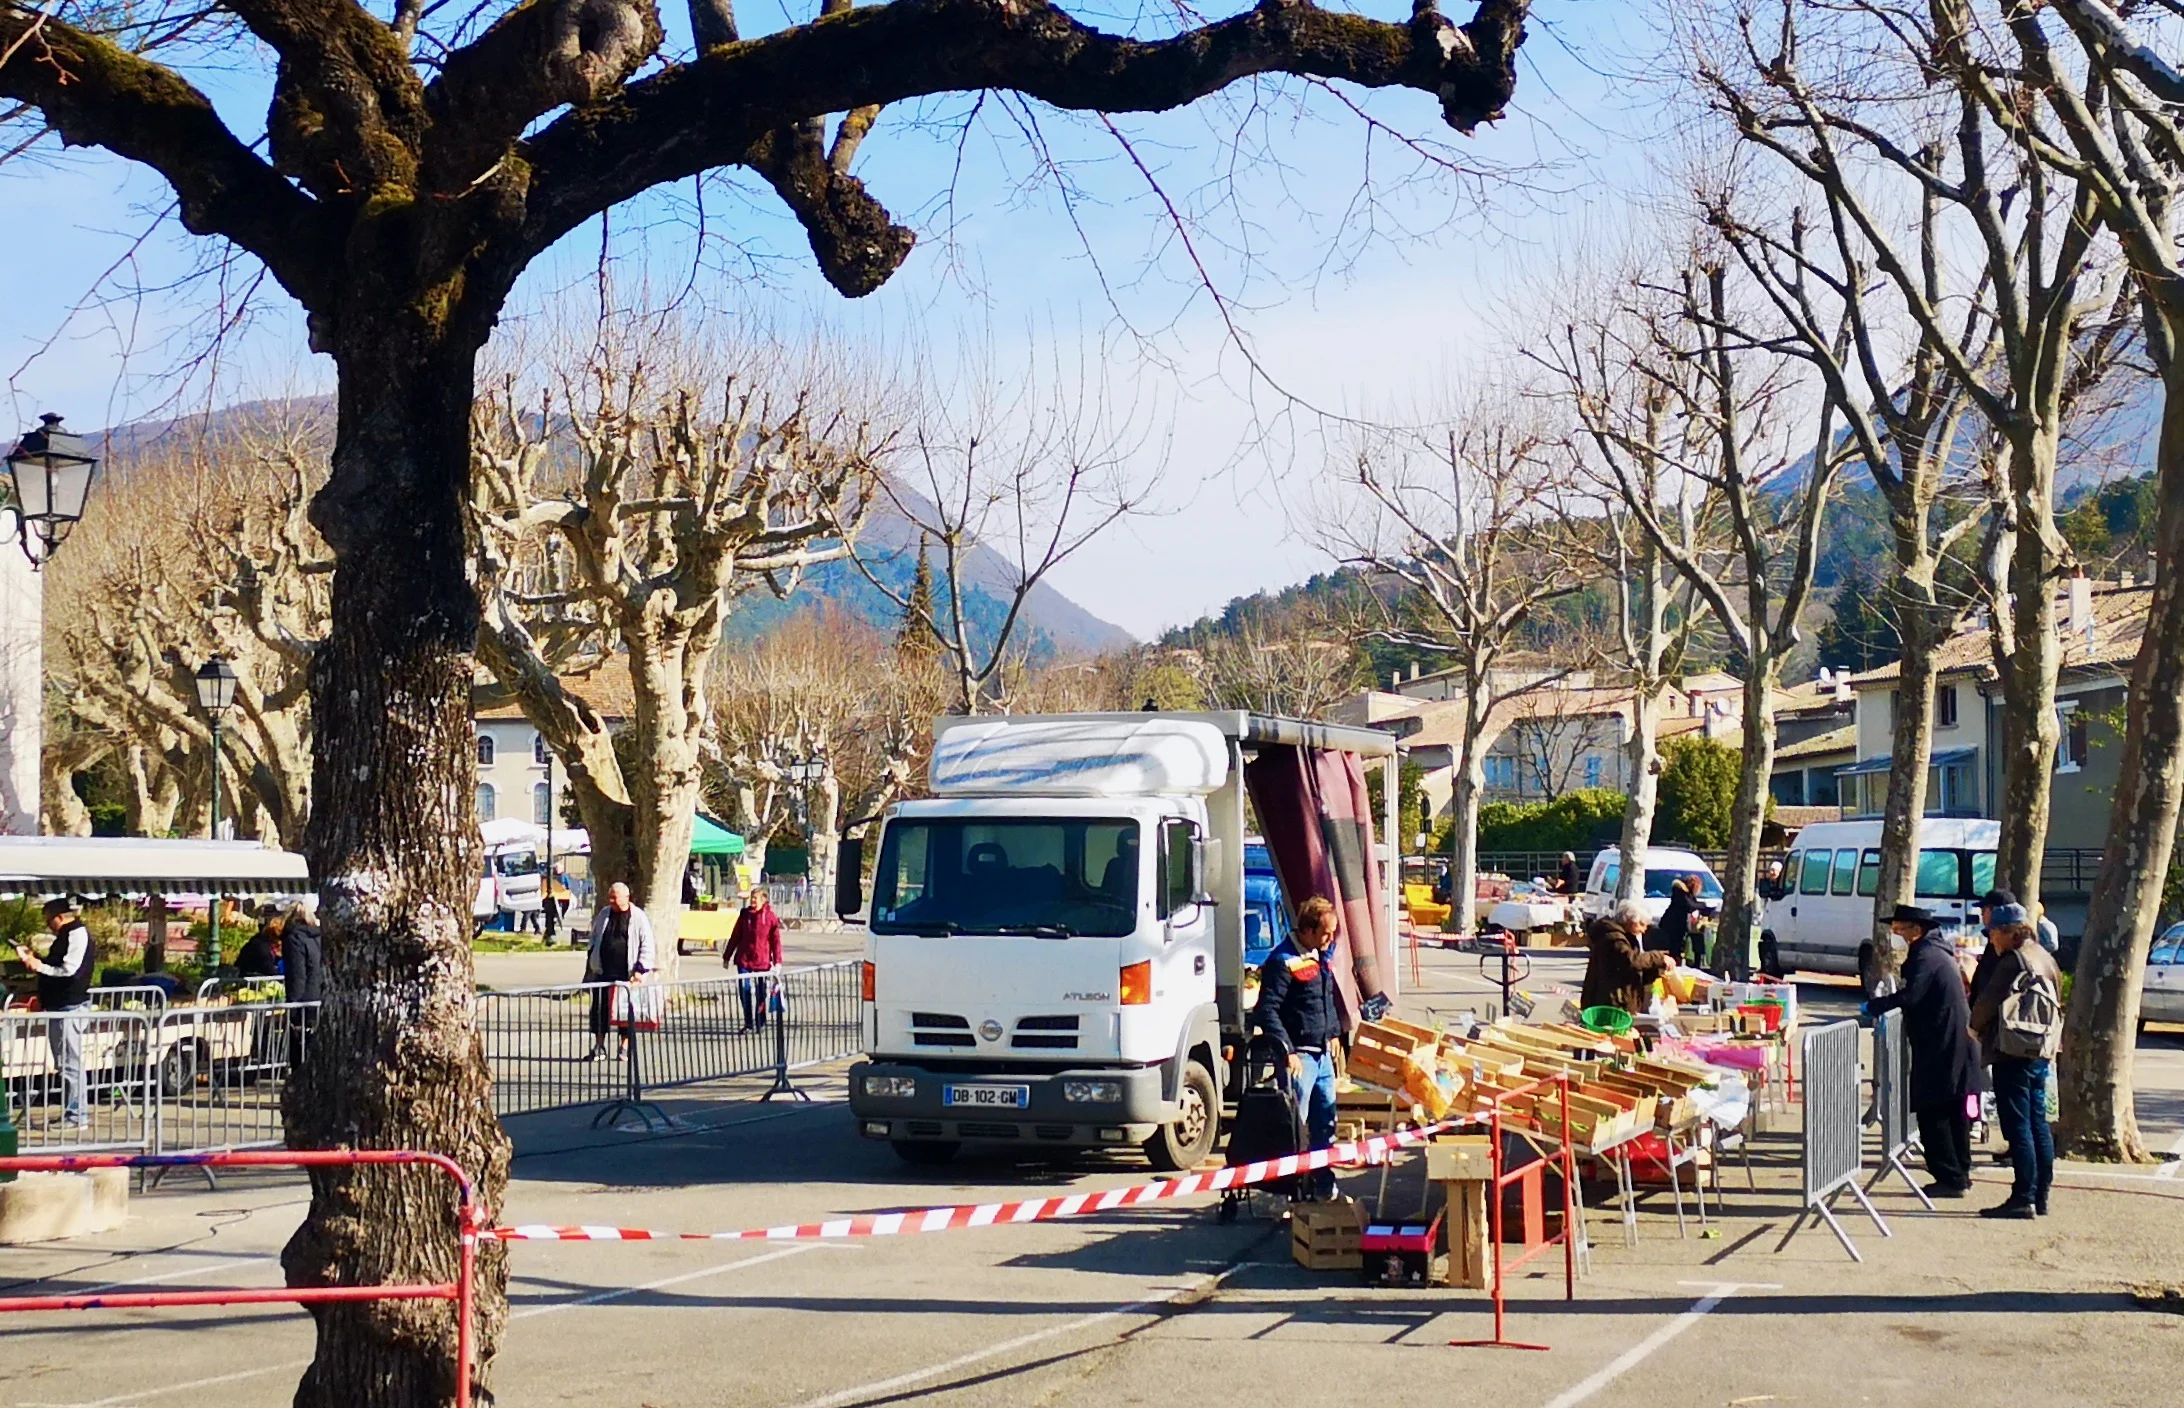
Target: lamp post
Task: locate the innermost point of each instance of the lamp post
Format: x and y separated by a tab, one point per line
50	470
215	693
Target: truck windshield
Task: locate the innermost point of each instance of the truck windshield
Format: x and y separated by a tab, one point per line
516	862
985	875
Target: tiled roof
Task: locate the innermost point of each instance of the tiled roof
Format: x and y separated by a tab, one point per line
2119	623
1835	740
606	689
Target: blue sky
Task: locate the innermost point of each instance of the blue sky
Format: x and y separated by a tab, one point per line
1347	305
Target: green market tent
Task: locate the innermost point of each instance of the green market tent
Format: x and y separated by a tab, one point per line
710	838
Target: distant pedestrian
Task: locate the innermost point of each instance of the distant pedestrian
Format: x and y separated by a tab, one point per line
303	956
2044	930
621	952
1944	1061
754	951
1618	970
261	956
64	994
1566	880
2017	1016
1299	1014
1672	935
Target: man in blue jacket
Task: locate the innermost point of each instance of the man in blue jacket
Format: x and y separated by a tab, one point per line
1300	1012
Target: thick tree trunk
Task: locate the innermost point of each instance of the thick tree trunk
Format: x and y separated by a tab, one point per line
664	779
2100	1035
396	1061
2029	728
1463	812
1644	752
826	834
1910	753
1740	908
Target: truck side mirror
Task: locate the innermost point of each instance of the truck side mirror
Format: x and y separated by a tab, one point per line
849	876
1198	892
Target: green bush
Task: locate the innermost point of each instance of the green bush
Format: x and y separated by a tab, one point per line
1575	821
1698	794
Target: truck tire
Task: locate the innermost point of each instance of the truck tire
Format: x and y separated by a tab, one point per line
1186	1143
925	1153
1770	955
178	1069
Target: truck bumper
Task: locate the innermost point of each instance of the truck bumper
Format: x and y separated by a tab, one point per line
1049	1117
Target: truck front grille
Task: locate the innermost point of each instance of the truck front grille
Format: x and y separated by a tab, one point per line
1046	1033
942	1039
940	1029
986	1131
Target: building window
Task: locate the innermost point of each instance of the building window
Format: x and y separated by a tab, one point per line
1822	789
485	750
1592	769
542	805
538	749
486	799
1501	772
1788	788
1945	706
1950	791
2070	749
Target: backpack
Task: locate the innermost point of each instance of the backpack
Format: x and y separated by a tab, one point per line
2030	1024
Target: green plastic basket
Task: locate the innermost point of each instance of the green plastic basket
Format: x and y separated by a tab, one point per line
1610	1021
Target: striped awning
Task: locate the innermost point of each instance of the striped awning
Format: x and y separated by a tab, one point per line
138	865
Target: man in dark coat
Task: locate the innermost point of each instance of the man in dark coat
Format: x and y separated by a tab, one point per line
303	957
1299	1016
1944	1059
1618	969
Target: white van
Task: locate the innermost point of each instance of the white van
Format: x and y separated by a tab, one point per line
1663	866
1822	921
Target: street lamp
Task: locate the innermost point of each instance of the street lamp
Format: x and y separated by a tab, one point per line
215	693
51	469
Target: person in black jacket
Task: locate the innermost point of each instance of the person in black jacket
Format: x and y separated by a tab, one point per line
1944	1059
303	956
1672	935
1300	1015
261	957
64	991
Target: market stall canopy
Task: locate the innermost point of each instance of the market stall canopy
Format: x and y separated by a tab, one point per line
710	838
147	866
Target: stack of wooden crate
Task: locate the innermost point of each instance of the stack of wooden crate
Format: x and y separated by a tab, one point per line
1324	1236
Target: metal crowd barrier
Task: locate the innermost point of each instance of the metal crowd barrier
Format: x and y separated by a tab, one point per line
1833	1154
194	1079
1892	1101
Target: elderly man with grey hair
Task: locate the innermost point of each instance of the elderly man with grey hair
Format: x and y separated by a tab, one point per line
1618	968
622	951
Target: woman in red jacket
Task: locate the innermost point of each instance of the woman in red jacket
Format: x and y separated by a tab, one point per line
754	950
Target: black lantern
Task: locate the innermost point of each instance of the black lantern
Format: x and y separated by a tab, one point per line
215	687
52	470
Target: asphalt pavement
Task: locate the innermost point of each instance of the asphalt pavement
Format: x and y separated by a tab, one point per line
1161	1305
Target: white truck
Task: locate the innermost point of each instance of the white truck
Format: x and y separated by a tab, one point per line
1056	950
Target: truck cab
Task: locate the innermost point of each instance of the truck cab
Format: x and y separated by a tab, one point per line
1056	939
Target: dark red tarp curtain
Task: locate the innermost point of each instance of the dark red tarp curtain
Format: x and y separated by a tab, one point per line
1317	818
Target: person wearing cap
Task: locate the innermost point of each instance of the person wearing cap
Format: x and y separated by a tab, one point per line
64	991
1944	1061
2020	1083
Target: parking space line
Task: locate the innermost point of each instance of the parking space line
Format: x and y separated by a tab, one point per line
964	1361
1644	1349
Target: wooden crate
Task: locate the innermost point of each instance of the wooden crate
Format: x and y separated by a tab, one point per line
1468	1263
1324	1236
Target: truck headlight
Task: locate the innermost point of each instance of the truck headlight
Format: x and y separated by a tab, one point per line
891	1087
1092	1092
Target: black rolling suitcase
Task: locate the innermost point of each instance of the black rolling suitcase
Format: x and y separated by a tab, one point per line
1269	1123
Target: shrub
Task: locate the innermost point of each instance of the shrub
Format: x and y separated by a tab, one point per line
1698	793
1575	821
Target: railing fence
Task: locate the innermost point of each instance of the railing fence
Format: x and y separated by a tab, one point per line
1832	1153
1892	1101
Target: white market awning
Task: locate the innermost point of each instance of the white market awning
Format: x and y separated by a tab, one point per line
143	865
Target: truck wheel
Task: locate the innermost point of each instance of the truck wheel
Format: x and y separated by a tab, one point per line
925	1153
178	1069
1186	1143
1770	955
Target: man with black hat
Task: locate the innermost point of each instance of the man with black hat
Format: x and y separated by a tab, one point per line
1944	1060
64	989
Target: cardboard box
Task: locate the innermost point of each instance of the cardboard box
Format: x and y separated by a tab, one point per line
1460	1156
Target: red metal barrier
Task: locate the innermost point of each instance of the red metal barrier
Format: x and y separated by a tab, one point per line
1572	1228
472	1221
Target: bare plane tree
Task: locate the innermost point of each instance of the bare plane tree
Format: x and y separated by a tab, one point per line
690	484
1461	531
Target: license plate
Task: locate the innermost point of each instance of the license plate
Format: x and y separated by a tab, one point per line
987	1097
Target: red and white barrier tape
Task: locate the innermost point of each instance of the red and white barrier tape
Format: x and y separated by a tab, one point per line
891	1224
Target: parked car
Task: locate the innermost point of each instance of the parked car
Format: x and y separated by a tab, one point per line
2161	999
1823	920
1664	866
